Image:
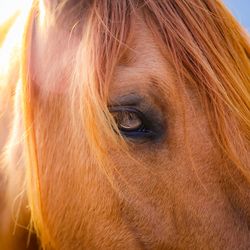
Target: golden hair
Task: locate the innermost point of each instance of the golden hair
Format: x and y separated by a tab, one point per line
209	51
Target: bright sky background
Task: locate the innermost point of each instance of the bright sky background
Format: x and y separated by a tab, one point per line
241	10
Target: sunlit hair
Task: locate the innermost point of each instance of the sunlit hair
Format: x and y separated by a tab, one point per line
207	47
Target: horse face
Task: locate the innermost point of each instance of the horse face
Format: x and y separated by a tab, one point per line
171	192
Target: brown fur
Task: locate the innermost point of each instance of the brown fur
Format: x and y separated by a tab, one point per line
69	175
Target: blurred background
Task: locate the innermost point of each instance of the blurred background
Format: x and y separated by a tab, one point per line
241	10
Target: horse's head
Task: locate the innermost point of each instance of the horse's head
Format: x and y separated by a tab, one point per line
140	124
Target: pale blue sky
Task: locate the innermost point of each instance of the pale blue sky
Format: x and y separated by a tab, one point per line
241	10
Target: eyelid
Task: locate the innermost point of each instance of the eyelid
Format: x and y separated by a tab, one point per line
121	108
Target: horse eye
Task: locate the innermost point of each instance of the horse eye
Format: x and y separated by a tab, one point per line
138	125
128	121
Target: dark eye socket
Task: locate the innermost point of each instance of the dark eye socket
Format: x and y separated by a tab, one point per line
132	123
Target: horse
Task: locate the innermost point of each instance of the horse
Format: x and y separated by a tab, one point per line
125	124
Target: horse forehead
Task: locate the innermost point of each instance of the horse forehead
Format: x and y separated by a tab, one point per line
54	53
146	64
143	48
